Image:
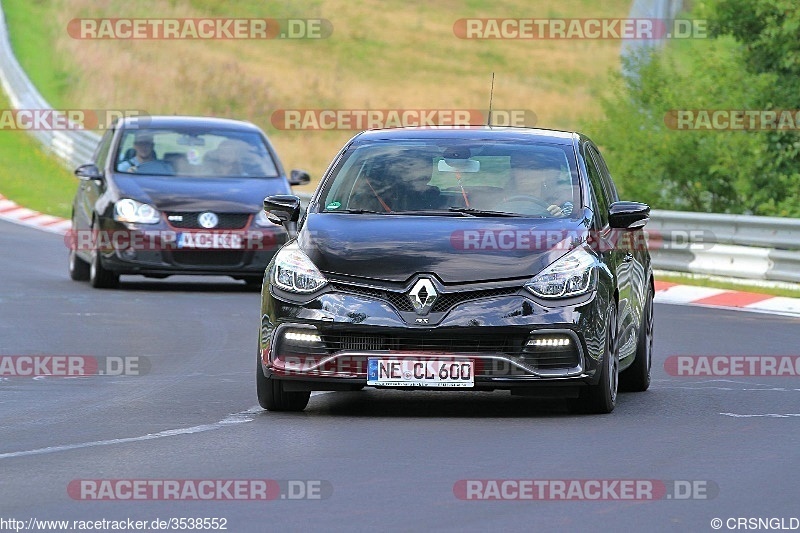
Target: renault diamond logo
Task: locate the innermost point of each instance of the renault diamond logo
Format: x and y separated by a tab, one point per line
422	295
208	220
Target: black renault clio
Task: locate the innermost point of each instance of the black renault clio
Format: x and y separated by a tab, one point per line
460	259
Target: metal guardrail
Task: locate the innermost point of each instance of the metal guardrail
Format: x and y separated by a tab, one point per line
765	248
762	248
72	147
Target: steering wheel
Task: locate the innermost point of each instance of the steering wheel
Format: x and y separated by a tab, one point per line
525	199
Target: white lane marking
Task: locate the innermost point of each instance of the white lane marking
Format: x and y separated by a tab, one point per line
765	415
713	384
235	418
745	389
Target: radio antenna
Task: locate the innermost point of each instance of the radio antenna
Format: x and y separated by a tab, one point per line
491	95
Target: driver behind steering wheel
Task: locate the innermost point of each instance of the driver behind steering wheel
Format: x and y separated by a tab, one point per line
145	157
544	181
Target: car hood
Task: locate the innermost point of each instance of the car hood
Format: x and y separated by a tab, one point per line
455	249
171	193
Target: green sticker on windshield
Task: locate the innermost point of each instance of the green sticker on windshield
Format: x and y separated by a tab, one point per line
334	205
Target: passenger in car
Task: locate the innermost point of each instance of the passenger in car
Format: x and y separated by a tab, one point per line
228	159
544	181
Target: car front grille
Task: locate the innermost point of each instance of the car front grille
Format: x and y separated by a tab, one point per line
208	258
444	302
426	342
450	299
188	220
545	361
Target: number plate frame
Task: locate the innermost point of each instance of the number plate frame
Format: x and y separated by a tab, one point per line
420	372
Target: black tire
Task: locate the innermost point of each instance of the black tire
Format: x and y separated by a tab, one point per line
78	268
254	282
636	377
272	397
601	398
99	277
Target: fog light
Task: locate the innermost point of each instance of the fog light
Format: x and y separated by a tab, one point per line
549	342
302	338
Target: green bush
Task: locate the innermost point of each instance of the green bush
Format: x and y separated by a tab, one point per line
709	170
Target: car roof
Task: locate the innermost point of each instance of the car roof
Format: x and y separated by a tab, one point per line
178	121
471	133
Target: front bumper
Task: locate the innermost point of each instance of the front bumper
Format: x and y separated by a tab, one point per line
331	336
155	250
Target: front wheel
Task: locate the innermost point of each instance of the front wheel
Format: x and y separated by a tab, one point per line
636	377
78	268
99	276
602	397
253	283
272	397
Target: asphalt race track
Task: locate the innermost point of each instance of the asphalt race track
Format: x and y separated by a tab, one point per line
384	460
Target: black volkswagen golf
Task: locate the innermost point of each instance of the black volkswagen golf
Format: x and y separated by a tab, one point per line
177	195
470	259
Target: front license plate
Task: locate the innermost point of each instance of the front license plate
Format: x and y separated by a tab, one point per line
399	372
210	241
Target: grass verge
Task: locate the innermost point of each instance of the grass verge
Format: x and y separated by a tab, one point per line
32	177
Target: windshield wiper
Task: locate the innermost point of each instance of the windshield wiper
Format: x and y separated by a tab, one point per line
433	212
481	212
356	211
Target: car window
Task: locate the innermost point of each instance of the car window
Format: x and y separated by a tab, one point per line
598	193
608	183
193	152
101	153
517	178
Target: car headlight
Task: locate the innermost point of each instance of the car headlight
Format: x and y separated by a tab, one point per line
572	275
293	271
127	210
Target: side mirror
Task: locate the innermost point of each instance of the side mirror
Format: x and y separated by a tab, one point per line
299	177
282	208
89	172
628	215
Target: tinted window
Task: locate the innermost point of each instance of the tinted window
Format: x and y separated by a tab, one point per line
608	183
101	153
523	179
192	152
596	182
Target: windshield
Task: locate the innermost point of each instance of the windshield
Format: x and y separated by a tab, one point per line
440	177
192	152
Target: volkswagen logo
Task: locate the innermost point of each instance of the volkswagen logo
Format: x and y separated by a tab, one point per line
422	295
208	220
